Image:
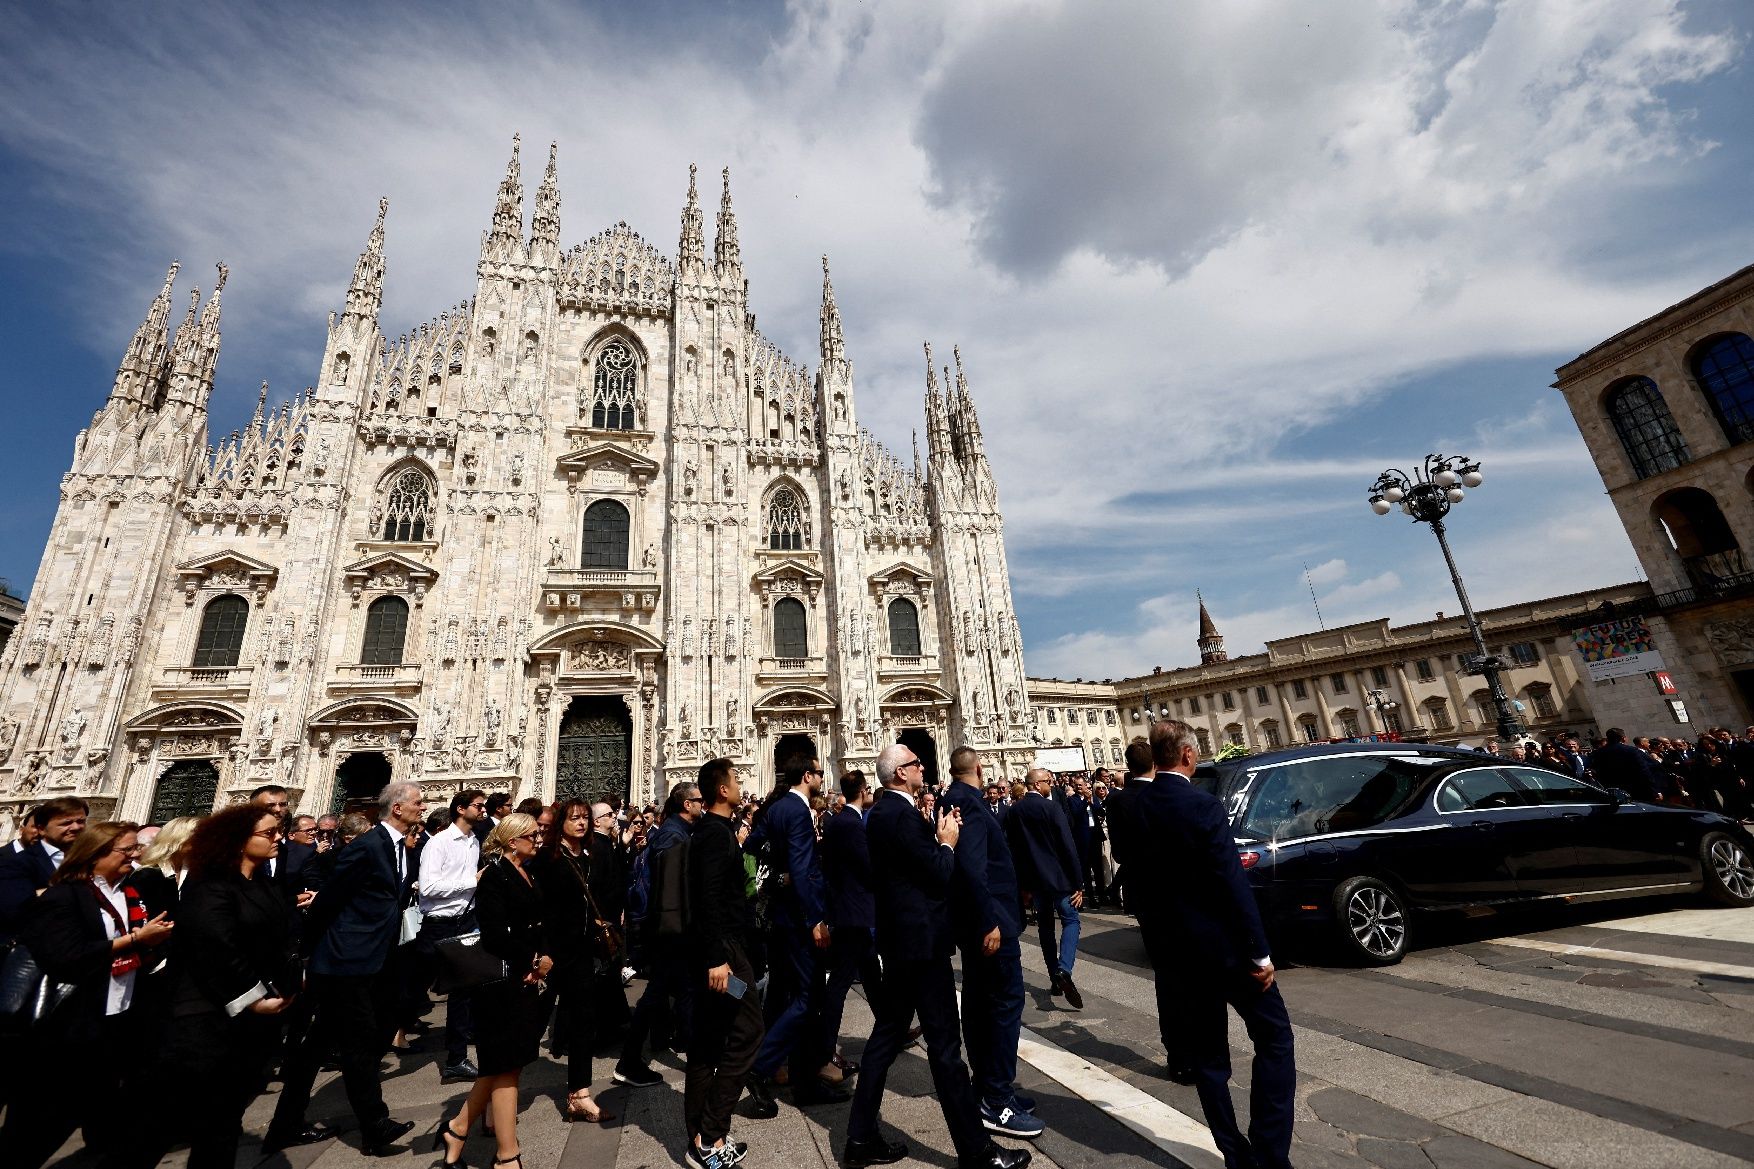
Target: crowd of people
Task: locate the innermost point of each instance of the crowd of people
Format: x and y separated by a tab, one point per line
205	958
1714	771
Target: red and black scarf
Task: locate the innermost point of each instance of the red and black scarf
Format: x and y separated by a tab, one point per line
123	963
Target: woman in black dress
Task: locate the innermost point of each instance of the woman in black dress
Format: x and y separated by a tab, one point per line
234	971
563	868
87	930
508	1013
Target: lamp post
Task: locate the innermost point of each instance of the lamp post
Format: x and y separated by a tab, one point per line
1427	495
1384	706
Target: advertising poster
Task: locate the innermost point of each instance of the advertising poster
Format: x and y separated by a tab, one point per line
1620	648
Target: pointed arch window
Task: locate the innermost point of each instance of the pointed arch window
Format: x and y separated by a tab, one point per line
614	386
791	631
904	628
785	521
1725	371
606	524
1647	430
386	632
408	510
221	641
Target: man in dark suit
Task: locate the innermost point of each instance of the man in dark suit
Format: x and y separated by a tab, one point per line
1619	764
988	914
1048	869
25	872
797	934
1126	843
852	911
354	923
1203	934
912	874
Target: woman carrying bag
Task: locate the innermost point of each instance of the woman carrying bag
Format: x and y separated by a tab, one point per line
87	930
575	938
508	1012
235	970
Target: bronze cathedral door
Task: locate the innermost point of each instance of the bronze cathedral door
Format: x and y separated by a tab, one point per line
594	760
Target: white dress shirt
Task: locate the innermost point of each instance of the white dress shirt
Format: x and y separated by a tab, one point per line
400	851
56	855
448	866
121	991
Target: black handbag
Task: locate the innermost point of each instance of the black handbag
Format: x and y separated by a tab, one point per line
27	994
464	963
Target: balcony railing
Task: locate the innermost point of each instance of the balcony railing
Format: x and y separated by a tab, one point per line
207	677
399	673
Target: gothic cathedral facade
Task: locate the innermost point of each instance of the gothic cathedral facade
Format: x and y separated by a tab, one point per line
574	536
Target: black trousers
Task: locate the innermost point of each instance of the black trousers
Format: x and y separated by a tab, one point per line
852	953
928	988
66	1086
992	1016
356	1018
665	1009
1201	1003
1095	880
208	1070
574	980
727	1034
459	1018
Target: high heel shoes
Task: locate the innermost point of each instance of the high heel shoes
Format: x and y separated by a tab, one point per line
439	1145
574	1112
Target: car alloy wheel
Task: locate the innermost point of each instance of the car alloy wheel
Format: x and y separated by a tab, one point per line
1374	917
1730	865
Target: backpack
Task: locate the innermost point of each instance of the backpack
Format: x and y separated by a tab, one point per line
667	907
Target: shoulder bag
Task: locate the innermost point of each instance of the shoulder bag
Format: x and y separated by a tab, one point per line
463	963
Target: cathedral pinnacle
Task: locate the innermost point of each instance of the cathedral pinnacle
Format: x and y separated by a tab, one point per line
505	238
545	217
146	362
365	295
1211	643
834	350
937	423
727	255
692	250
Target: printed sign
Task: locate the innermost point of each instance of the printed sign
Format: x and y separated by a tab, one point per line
1665	684
1617	649
1061	759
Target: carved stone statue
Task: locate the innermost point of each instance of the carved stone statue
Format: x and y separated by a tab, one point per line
72	728
729	479
690	472
556	553
441	725
731	715
36	768
490	724
8	736
266	725
650	559
517	468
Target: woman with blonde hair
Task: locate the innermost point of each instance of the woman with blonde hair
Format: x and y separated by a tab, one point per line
163	866
86	929
508	1013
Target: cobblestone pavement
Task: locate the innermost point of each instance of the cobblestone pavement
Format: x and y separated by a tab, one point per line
1605	1038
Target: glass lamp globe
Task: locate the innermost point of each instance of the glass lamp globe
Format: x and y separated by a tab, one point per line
1446	478
1394	495
1473	478
1454	494
1381	506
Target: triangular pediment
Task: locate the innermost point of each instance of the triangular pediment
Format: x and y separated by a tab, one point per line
378	564
607	456
789	568
898	569
228	562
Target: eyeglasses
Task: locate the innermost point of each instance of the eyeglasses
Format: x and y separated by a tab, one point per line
536	835
911	763
134	850
301	831
268	834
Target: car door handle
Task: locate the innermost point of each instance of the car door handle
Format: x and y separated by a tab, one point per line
1479	823
1572	816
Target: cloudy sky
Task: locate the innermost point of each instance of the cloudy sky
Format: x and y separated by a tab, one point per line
1212	265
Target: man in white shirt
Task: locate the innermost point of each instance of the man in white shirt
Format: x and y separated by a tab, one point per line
448	865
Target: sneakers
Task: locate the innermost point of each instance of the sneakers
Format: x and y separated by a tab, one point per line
1010	1121
636	1077
627	973
723	1157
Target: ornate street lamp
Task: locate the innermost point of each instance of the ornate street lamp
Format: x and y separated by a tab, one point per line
1427	495
1384	706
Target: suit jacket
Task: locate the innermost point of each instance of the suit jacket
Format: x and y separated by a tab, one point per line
566	914
1624	766
608	875
1099	812
985	892
718	897
911	874
790	828
1042	847
509	912
22	873
1127	842
1077	810
231	943
65	931
1200	897
357	915
846	871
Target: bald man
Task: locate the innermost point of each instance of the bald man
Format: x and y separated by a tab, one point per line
1048	869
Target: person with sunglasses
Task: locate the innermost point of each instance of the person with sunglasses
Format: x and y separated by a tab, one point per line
87	930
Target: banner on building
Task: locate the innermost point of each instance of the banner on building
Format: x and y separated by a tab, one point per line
1620	648
1061	759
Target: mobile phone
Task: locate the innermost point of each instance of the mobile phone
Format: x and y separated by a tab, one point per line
735	987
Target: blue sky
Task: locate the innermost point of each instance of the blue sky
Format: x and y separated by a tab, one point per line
1211	265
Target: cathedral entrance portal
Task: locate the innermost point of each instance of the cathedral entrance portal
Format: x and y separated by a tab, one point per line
919	741
185	789
359	780
790	748
594	759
